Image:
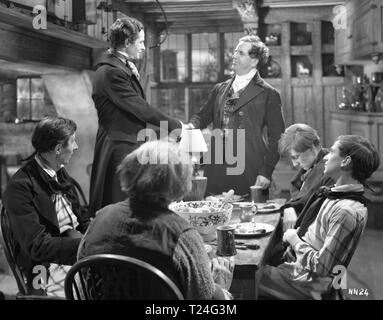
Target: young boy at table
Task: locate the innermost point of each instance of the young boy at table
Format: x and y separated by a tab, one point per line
334	221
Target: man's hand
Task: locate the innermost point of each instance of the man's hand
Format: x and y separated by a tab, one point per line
186	126
290	236
289	218
262	181
222	270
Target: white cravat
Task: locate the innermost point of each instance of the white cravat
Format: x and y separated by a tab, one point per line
132	66
242	81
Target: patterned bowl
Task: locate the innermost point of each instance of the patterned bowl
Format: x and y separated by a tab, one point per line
205	216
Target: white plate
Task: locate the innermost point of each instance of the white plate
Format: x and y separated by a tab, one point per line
220	197
251	229
263	207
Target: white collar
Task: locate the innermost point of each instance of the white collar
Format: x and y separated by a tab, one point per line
241	81
124	55
247	76
348	187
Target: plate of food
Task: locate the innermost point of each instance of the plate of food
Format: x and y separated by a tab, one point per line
267	207
220	197
251	229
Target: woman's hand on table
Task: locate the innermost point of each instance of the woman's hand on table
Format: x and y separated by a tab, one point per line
222	270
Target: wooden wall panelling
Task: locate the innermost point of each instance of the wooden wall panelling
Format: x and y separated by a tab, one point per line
302	104
362	29
332	95
91	11
362	127
317	107
338	126
286	94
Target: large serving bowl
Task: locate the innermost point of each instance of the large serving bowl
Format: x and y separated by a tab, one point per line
205	216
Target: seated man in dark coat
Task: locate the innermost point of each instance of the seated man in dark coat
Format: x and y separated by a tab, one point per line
44	210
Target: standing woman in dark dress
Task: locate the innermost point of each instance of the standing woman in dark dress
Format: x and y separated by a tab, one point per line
121	108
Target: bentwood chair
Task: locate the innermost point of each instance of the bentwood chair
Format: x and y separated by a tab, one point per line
9	245
117	277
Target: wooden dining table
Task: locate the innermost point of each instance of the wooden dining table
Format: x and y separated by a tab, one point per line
249	262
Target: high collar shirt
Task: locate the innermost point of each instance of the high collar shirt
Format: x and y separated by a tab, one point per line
240	82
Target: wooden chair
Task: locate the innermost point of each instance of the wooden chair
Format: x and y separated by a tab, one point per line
9	244
117	277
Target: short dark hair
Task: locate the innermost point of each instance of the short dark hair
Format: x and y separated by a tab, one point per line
363	154
50	132
258	49
122	29
298	137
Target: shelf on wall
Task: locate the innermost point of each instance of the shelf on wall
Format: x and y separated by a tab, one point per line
301	50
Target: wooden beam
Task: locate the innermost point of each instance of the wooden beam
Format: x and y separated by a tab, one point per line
181	28
18	44
302	14
17	19
300	3
183	6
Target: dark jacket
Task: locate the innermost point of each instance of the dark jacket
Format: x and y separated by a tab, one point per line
33	220
145	232
258	107
122	113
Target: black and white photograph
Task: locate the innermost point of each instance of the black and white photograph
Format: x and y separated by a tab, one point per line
212	151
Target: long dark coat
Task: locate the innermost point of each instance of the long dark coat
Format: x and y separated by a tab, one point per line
33	220
122	112
258	107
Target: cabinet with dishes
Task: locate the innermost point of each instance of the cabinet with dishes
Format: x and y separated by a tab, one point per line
364	95
302	67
